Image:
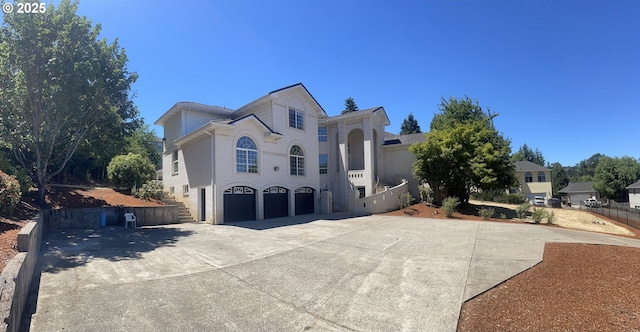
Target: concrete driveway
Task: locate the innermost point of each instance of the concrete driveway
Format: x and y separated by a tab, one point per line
310	273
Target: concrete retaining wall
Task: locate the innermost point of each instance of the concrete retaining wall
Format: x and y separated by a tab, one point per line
89	218
380	202
16	277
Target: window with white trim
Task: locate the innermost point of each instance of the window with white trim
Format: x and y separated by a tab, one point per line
246	155
322	134
185	190
174	159
296	119
324	163
296	160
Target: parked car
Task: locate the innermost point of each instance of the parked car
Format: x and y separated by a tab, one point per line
538	200
591	202
555	202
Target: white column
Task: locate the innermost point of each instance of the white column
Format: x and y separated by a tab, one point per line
343	186
368	156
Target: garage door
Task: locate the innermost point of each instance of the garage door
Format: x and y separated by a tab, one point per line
276	202
239	204
304	201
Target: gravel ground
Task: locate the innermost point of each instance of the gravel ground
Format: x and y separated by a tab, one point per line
577	287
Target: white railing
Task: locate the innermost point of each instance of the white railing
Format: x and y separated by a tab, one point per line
357	177
381	202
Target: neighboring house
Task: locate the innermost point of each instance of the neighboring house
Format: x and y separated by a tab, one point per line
634	195
535	180
578	192
274	156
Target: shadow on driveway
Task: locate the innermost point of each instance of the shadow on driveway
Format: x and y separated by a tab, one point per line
260	225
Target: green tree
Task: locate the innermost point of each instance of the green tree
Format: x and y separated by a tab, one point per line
585	170
57	82
349	106
559	177
130	170
455	111
462	153
410	126
525	153
612	175
143	141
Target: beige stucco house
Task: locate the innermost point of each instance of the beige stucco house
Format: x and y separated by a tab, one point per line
535	180
278	155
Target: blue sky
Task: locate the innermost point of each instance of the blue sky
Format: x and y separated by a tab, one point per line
563	75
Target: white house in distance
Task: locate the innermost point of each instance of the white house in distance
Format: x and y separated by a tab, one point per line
634	195
276	156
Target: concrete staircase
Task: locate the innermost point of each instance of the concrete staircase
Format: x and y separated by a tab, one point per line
183	212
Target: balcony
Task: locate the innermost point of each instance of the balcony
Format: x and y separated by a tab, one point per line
357	177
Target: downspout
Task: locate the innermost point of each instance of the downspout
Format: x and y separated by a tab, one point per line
214	190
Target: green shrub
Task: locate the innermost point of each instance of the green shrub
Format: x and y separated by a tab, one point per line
486	213
500	198
515	199
131	170
551	217
9	194
522	209
449	205
538	214
503	216
404	200
486	196
426	193
12	168
151	189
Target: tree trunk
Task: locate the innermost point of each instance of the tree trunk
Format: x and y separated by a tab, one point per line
42	191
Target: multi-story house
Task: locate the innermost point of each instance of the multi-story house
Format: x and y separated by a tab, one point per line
275	156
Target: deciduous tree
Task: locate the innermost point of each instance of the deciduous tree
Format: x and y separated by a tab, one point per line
463	151
612	175
57	81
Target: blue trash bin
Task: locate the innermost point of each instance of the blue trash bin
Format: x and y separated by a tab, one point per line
103	219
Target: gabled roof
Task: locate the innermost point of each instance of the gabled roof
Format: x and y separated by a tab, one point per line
524	166
578	187
360	113
390	139
252	116
305	89
634	186
187	105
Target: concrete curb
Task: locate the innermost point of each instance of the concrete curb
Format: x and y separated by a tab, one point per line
16	278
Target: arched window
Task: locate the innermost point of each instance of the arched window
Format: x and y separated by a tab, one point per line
296	160
246	155
528	177
541	177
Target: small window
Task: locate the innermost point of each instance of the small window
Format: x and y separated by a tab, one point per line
296	160
324	163
322	134
174	159
296	119
172	190
246	155
185	190
541	177
528	177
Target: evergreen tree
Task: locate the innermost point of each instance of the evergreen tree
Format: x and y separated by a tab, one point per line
525	153
410	126
349	106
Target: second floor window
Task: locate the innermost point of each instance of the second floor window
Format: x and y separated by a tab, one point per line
296	160
528	177
541	177
246	155
174	160
322	134
296	119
